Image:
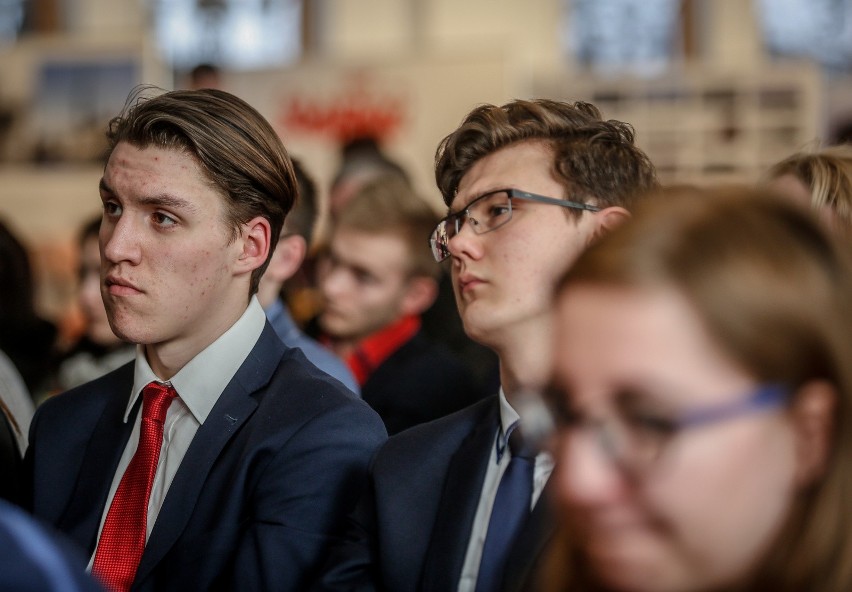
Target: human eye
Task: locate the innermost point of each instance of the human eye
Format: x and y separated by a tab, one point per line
364	277
111	208
650	424
163	220
645	419
565	414
494	208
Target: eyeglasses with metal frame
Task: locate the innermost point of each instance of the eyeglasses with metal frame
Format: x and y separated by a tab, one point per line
489	212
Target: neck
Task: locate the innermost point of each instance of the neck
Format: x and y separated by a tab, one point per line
167	358
525	358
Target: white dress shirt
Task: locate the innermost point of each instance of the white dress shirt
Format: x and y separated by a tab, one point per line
500	457
199	385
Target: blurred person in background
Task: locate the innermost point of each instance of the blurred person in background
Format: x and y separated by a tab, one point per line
821	180
361	160
376	279
99	350
25	337
284	263
702	387
16	412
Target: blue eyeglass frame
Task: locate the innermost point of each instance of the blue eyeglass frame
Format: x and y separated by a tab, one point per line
512	194
765	397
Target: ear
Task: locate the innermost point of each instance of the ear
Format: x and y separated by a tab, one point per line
287	258
812	416
608	219
254	242
420	293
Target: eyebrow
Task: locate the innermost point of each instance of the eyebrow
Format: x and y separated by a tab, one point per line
158	200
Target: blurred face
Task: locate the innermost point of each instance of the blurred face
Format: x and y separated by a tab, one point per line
91	302
504	279
364	281
699	513
169	272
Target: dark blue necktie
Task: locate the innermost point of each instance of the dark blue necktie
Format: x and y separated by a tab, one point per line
510	513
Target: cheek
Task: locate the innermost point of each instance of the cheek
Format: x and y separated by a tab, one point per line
724	500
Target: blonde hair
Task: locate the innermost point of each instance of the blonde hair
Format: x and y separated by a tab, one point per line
827	174
773	289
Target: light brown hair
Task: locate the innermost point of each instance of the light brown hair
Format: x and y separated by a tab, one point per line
388	205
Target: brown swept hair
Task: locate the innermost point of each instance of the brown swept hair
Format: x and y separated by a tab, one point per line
773	289
593	159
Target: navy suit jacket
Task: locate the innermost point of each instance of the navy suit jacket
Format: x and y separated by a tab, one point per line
259	494
412	526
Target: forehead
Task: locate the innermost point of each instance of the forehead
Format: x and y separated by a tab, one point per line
609	338
525	165
142	172
382	253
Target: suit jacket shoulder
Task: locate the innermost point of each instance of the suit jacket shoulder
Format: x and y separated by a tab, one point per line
419	382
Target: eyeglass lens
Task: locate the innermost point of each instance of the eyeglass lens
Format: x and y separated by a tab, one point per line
486	213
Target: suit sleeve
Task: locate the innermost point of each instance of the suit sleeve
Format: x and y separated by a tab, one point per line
303	496
352	563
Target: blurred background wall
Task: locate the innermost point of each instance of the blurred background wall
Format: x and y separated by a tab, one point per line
717	89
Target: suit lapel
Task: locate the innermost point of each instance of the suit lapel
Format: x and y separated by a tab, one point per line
457	509
233	408
106	444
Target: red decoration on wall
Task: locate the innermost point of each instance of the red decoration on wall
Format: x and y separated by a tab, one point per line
342	119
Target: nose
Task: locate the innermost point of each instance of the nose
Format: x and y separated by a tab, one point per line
119	241
466	243
333	281
585	476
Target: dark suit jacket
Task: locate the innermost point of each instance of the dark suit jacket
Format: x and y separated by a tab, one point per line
419	382
262	487
412	525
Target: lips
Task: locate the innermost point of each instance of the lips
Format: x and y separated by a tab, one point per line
468	281
119	286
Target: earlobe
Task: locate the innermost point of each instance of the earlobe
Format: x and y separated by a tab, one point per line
255	241
813	420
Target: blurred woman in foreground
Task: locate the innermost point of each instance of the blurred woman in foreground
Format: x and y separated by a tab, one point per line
702	387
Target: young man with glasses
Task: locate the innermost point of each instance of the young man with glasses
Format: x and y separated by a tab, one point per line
528	186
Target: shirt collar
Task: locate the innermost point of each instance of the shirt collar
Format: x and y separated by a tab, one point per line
378	347
509	419
200	382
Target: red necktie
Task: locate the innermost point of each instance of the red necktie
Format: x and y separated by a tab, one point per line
123	536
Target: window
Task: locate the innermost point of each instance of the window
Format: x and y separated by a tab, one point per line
233	34
618	35
816	29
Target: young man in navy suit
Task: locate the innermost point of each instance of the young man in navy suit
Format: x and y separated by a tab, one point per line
528	186
243	456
